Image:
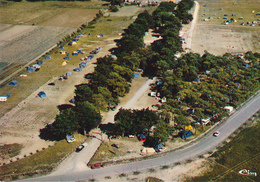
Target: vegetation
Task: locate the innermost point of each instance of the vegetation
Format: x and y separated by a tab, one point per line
241	153
39	162
10	150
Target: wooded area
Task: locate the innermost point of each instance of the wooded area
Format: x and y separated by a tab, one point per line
203	84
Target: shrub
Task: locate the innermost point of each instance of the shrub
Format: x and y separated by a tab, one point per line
113	8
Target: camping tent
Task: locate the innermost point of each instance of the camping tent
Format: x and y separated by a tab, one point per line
136	75
77	69
48	57
64	63
30	69
82	64
42	94
142	138
187	133
72	101
62	46
67	58
158	146
68	73
13	83
39	62
74	53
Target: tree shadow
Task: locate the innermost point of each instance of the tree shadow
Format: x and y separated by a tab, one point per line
108	128
63	107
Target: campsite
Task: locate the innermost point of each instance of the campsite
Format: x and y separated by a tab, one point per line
61	92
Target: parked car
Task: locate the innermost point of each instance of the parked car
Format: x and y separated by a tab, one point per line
115	145
97	165
216	133
79	148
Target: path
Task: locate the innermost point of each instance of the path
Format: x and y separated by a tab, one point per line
193	24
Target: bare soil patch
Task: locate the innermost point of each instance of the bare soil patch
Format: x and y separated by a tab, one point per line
219	39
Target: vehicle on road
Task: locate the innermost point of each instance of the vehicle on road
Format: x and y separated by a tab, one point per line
216	133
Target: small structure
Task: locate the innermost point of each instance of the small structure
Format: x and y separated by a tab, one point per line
153	93
42	94
62	47
220	9
163	100
204	121
3	98
228	109
70	138
148	151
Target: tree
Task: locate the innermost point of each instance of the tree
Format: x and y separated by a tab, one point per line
83	93
64	124
162	131
87	116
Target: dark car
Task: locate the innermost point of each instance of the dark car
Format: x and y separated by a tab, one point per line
115	145
216	133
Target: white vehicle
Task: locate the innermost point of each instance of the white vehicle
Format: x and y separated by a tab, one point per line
216	133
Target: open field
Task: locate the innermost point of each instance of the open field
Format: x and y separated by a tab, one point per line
217	38
28	29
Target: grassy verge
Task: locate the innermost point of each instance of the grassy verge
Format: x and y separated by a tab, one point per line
243	152
40	162
10	150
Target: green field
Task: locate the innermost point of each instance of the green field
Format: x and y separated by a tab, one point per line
246	9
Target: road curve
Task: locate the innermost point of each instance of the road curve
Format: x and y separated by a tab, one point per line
204	145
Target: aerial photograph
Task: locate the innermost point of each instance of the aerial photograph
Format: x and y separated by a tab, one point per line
130	90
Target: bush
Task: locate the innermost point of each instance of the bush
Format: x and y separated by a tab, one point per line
113	8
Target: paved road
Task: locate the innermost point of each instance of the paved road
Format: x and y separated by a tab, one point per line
204	145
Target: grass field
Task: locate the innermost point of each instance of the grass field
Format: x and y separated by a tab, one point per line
243	152
246	9
49	13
